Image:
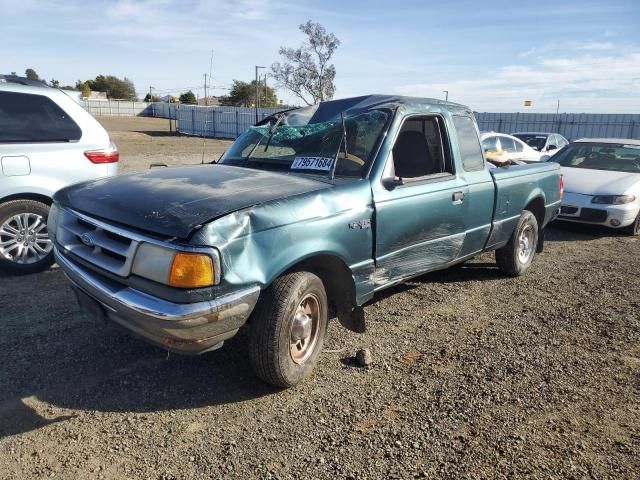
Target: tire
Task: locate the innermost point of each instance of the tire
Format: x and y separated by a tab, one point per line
38	254
280	318
516	256
634	228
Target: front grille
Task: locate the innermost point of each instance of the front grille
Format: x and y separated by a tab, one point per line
566	210
593	215
95	242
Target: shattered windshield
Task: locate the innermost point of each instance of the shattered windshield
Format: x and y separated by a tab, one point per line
294	141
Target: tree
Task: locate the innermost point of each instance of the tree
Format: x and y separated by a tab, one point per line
54	83
113	86
86	90
148	98
31	74
243	94
306	71
188	97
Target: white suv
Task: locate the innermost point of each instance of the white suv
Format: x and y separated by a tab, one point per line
47	142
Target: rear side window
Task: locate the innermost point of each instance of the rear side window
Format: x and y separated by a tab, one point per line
469	144
508	145
490	144
30	118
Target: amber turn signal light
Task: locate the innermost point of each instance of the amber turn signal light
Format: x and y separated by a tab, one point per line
191	270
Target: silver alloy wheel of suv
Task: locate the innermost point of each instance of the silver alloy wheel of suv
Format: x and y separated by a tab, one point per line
25	246
24	238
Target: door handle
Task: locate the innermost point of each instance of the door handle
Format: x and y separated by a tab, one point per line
457	197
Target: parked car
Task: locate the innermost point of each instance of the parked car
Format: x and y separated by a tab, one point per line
312	211
511	148
602	183
547	143
47	142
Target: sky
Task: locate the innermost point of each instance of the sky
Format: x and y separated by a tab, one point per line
489	55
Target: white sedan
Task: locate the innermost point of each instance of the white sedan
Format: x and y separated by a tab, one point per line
601	183
510	147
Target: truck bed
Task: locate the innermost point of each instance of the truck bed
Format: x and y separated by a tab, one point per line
513	194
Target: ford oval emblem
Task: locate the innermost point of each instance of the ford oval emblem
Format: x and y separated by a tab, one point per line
87	240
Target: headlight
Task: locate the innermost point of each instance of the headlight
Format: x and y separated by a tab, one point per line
177	268
613	199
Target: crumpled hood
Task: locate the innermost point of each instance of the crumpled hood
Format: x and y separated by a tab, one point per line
174	201
597	182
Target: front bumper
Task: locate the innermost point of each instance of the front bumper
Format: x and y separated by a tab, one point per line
578	208
191	328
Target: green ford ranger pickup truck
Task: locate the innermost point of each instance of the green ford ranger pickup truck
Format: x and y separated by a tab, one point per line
305	217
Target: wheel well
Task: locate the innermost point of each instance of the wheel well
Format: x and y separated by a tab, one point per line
336	278
536	206
28	196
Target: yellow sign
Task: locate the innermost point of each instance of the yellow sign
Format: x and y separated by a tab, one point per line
527	103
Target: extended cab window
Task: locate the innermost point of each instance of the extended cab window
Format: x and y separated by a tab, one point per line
34	118
469	144
421	149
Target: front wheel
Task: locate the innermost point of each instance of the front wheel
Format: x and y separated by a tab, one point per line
516	256
25	246
288	329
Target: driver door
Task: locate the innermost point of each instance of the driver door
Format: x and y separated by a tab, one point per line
420	220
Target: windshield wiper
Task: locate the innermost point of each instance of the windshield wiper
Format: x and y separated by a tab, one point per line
343	140
273	129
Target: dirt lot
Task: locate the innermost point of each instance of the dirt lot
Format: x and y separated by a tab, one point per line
143	141
475	376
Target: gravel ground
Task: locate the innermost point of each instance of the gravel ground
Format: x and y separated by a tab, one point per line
474	375
143	141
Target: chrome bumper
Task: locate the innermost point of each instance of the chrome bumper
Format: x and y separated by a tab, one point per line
185	328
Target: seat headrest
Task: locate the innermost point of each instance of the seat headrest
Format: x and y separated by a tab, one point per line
411	155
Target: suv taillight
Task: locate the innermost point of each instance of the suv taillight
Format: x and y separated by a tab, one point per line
109	155
561	187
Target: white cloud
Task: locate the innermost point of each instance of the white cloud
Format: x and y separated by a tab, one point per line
597	46
585	83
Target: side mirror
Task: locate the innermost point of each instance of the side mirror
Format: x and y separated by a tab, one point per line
392	182
552	147
536	149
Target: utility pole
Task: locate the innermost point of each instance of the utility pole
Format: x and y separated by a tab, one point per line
265	89
446	95
257	91
150	93
210	73
558	108
206	98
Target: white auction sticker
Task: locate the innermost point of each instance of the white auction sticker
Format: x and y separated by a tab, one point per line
312	163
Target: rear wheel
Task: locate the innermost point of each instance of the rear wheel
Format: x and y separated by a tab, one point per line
634	228
25	246
288	329
516	256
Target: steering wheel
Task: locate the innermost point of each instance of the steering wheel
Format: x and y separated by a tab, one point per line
352	158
